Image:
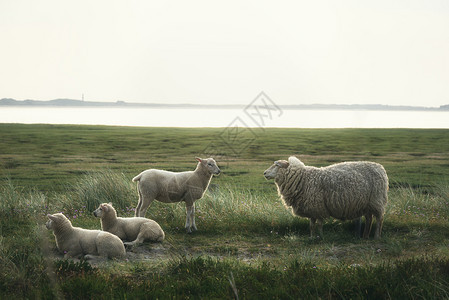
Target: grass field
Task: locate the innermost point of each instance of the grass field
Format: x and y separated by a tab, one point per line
248	245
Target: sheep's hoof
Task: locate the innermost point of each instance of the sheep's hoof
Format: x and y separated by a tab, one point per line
188	230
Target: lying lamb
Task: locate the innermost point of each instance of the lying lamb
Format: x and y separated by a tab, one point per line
135	230
75	241
344	191
170	187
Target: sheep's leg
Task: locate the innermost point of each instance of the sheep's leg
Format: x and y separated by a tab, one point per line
89	257
312	227
138	208
368	224
358	227
320	227
192	218
146	233
188	218
379	222
144	203
139	204
313	224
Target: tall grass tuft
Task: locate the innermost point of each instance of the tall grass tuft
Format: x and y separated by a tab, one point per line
95	188
15	203
21	258
229	208
417	205
245	209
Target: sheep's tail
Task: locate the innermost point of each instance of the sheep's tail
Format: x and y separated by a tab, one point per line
137	178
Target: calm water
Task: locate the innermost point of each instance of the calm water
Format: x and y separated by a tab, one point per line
173	117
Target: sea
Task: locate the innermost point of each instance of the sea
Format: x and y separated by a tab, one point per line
225	117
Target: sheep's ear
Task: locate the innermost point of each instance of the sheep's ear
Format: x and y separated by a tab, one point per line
198	159
51	217
281	163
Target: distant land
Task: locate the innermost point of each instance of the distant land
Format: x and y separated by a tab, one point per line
77	103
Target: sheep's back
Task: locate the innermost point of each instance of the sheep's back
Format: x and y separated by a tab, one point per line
131	226
166	186
86	238
353	189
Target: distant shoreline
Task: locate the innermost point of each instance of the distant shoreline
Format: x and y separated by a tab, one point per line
79	103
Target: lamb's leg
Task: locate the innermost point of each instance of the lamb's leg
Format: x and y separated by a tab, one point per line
192	218
368	224
189	210
139	204
138	208
131	245
379	222
146	233
144	203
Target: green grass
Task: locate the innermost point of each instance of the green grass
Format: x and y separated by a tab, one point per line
247	244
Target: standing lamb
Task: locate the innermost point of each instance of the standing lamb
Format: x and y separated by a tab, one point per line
170	187
135	230
345	191
75	241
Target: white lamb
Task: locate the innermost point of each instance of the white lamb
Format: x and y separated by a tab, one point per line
345	191
170	187
134	230
76	242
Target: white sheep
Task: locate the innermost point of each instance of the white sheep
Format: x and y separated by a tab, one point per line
170	187
345	191
134	230
75	241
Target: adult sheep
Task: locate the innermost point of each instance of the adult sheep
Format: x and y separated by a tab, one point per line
75	241
170	187
345	191
133	230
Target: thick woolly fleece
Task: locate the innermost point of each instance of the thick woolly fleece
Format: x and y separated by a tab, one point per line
344	191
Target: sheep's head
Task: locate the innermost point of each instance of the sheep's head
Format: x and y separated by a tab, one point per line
210	164
103	209
55	220
272	171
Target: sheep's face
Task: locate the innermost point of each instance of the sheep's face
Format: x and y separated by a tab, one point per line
210	164
272	171
102	210
54	220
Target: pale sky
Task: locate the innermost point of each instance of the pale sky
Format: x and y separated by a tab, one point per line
298	52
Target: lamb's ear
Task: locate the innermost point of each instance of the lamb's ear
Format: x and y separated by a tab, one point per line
198	159
51	217
281	163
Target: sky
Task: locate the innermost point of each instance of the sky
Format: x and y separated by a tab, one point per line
393	52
